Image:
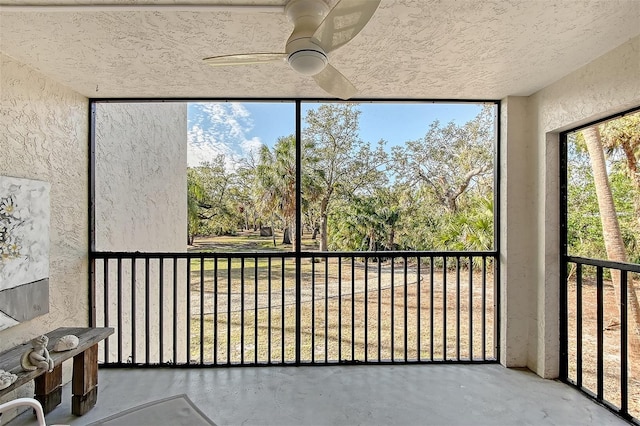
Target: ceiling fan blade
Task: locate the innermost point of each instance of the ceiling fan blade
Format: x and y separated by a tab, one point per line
244	59
333	82
344	22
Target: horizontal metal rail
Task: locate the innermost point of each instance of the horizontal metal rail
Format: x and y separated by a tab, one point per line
228	309
279	254
601	334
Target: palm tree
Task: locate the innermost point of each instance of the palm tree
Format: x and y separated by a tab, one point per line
612	236
624	134
276	176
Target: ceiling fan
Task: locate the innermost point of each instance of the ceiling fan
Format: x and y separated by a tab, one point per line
316	33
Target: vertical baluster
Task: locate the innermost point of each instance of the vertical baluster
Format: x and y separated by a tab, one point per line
579	324
624	368
484	308
133	310
340	312
418	313
106	289
339	309
313	309
175	310
444	308
496	308
393	291
188	319
161	308
298	304
458	308
120	301
366	309
255	310
147	308
282	294
406	300
229	289
353	308
326	309
379	309
470	309
215	310
600	332
418	310
202	290
269	311
431	307
242	310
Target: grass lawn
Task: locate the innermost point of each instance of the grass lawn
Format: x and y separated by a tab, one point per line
348	311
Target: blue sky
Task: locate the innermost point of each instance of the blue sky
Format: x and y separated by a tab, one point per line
236	129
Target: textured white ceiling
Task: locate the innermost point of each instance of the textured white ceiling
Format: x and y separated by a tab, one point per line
435	49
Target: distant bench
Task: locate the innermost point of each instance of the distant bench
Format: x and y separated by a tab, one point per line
48	386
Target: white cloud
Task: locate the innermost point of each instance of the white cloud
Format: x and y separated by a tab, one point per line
220	128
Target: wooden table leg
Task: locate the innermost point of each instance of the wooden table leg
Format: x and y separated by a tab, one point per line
85	381
48	389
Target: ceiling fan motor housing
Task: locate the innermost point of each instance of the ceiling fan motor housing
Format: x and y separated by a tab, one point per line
309	60
305	56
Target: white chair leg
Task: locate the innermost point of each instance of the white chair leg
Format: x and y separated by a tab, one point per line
31	402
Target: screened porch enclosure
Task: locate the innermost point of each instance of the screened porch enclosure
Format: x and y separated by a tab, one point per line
402	265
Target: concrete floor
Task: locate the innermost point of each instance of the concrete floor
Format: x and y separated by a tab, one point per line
347	395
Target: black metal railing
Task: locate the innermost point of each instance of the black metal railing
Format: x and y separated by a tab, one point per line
217	309
600	332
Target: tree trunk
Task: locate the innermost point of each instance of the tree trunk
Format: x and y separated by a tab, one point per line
286	237
610	227
324	205
273	233
323	233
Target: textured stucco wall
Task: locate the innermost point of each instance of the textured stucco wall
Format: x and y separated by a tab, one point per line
517	236
141	205
141	176
43	135
603	87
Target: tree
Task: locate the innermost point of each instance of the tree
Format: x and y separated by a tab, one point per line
217	203
247	191
342	163
624	134
450	159
447	178
276	174
613	241
195	196
366	222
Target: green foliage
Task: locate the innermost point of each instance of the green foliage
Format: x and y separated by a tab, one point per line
212	199
450	159
427	225
584	227
366	222
342	164
435	193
